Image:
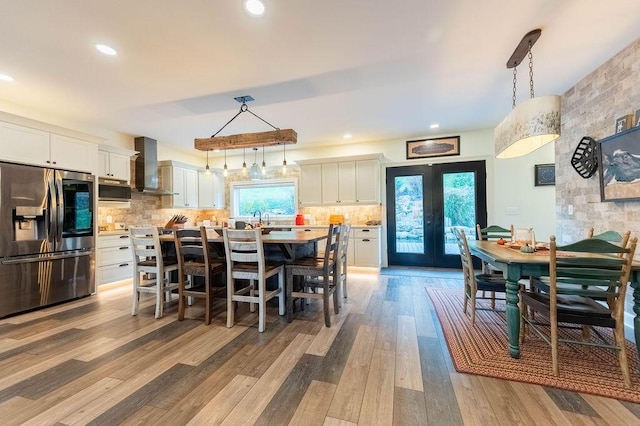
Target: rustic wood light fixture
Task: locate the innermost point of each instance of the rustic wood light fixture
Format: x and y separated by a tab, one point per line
247	140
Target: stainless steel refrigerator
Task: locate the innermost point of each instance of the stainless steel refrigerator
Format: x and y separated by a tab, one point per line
46	237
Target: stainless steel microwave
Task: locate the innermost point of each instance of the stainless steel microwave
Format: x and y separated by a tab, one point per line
113	190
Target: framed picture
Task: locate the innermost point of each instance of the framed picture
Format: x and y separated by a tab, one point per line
434	147
545	174
620	166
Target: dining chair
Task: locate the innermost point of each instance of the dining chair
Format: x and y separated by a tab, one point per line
578	272
316	277
473	283
342	256
493	233
151	271
245	261
195	260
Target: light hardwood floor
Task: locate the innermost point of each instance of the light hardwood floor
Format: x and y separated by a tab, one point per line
383	362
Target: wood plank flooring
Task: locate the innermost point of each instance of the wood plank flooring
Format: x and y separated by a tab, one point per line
383	362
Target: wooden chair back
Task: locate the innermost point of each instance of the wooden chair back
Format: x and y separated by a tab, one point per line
612	236
494	232
192	250
244	249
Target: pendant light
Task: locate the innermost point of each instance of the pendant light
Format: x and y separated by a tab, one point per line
284	158
254	173
244	162
207	170
225	170
264	165
534	122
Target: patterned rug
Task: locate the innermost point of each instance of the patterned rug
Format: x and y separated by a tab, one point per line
482	349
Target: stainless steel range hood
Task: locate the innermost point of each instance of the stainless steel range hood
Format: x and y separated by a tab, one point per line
146	170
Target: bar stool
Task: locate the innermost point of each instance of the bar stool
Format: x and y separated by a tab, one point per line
245	261
148	259
194	260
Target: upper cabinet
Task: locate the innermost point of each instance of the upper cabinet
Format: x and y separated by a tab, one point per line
310	189
182	181
211	190
114	163
354	180
31	146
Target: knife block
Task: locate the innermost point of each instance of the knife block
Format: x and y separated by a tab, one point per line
171	224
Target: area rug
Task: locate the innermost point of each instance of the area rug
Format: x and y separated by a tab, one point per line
482	349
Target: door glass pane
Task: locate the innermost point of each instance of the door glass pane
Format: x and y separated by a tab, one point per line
409	214
459	207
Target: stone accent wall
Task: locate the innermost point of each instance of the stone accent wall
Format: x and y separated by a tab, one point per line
590	108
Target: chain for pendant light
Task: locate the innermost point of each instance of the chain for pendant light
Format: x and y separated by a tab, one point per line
530	71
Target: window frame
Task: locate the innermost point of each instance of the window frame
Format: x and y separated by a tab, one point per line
233	186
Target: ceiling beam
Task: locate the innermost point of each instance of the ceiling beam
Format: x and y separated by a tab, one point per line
248	140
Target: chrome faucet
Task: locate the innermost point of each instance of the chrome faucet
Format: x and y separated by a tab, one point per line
268	219
259	216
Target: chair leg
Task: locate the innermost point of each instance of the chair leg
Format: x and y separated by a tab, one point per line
325	301
159	297
252	293
207	300
493	300
181	298
281	295
618	333
336	291
473	307
262	305
554	340
230	307
136	294
289	299
344	283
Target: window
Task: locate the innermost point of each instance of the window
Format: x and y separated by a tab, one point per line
278	198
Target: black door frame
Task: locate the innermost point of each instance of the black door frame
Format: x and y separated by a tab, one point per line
433	203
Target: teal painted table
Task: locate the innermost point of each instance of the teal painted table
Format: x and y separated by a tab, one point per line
516	265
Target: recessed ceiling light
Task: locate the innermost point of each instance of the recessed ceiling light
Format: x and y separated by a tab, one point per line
254	7
434	126
107	50
347	136
6	77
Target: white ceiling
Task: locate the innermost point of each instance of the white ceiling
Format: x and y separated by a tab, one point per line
377	69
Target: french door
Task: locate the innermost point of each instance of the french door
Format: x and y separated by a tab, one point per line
424	203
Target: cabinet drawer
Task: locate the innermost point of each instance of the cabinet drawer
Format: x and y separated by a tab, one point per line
117	272
365	233
117	240
111	255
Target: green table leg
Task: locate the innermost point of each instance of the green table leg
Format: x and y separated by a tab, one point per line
513	312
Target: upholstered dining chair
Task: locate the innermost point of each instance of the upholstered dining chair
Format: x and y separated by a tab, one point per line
245	261
578	272
473	283
195	260
318	277
151	271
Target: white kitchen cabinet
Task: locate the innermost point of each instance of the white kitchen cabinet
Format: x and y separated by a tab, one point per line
339	182
347	181
32	146
114	165
310	189
211	190
367	177
114	258
367	247
182	182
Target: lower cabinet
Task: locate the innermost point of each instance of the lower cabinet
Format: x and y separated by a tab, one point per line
114	258
363	249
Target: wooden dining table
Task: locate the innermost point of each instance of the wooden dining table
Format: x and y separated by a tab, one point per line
516	265
292	244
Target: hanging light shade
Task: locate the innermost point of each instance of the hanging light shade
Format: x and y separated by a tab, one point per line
532	123
529	126
254	172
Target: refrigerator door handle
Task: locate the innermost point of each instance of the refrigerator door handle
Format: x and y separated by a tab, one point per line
59	209
52	206
45	257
